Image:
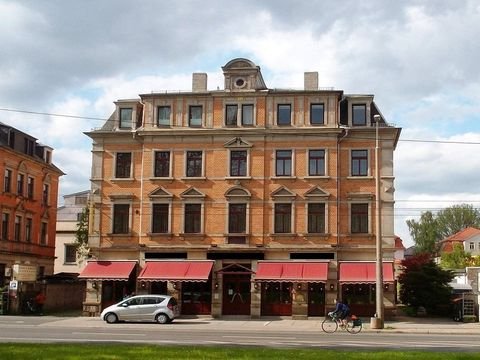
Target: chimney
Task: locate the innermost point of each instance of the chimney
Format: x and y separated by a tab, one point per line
311	80
199	82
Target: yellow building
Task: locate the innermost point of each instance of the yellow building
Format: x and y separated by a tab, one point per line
241	201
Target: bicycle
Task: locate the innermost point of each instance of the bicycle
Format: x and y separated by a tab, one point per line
332	322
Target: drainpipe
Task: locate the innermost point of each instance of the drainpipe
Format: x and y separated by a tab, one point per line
341	136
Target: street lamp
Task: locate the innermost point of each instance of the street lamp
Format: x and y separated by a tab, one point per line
379	320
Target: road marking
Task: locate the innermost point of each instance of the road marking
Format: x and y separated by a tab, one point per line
258	337
109	334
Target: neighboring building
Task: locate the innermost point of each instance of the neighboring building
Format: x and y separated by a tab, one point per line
28	210
242	201
469	238
68	217
399	250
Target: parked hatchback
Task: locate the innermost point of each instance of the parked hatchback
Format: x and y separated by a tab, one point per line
160	308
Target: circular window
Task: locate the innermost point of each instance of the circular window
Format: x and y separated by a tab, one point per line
240	82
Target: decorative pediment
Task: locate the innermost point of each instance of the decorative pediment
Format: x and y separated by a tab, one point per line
283	192
22	167
237	142
192	193
317	192
160	193
237	192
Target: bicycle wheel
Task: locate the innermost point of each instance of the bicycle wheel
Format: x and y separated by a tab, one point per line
354	326
329	326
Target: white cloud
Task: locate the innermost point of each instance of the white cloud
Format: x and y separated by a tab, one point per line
418	57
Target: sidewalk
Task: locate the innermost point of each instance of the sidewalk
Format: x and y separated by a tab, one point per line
400	325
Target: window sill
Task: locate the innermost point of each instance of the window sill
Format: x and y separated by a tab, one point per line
238	177
122	179
317	177
194	178
283	235
360	177
360	235
192	235
160	235
155	178
283	177
119	235
316	235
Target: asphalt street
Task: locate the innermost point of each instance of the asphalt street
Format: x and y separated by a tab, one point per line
278	333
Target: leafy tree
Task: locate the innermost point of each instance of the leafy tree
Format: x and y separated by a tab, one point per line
430	229
457	259
456	218
424	233
81	236
424	283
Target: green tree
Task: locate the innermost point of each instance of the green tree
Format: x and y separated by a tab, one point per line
456	218
430	229
424	283
424	233
457	259
81	236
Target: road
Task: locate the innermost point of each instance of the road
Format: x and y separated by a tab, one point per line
184	332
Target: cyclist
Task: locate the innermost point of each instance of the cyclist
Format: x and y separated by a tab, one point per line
342	310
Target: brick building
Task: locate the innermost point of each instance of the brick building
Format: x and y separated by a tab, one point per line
28	210
242	201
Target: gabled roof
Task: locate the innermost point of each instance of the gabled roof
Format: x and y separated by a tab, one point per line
447	244
463	235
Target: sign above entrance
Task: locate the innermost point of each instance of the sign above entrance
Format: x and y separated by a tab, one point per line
24	272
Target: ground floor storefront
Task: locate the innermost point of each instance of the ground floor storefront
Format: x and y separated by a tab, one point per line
253	288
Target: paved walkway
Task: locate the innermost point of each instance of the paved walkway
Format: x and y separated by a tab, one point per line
400	325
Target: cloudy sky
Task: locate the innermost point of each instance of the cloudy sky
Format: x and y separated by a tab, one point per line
419	58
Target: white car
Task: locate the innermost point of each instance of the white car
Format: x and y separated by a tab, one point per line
160	308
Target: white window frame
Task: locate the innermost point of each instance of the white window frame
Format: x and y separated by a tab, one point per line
170	169
240	105
167	202
202	176
369	174
369	216
325	203
112	213
292	216
230	176
202	215
293	174
115	165
307	155
156	124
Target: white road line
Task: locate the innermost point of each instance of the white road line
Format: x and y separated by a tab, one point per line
105	333
258	337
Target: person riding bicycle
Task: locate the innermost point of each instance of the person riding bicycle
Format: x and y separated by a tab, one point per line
342	310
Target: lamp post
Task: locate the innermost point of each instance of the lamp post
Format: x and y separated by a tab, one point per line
379	320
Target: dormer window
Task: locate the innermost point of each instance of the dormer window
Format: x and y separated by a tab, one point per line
48	157
359	115
126	118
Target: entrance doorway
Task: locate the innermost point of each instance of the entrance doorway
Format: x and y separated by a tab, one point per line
316	299
236	294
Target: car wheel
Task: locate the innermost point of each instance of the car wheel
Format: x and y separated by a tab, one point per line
111	318
162	319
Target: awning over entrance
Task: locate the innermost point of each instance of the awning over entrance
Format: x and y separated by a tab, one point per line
292	271
182	270
364	272
108	270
